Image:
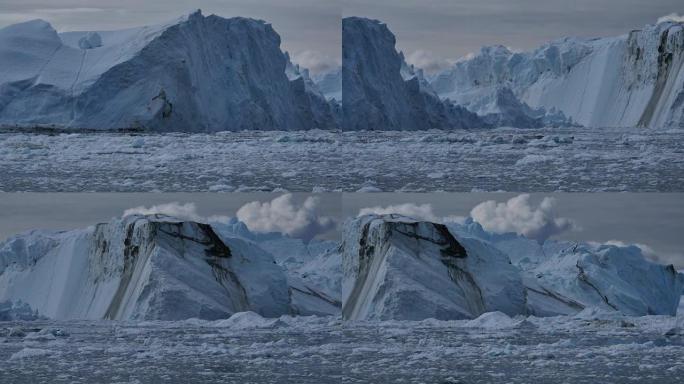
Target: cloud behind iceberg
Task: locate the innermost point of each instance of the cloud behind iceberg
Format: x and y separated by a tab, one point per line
677	18
428	61
283	214
183	211
415	211
316	62
520	216
674	258
186	211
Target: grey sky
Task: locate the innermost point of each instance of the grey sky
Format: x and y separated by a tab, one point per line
20	212
310	29
433	32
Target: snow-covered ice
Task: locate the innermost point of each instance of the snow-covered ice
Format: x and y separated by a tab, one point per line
493	349
509	159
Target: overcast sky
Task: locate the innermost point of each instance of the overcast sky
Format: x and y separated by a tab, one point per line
434	32
310	29
20	212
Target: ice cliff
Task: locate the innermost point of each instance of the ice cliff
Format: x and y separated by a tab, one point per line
398	268
379	93
395	267
141	267
198	73
313	268
636	79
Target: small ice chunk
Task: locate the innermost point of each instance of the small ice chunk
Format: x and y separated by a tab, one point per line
493	320
30	352
90	40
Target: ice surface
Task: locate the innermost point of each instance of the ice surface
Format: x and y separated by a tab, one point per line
313	268
324	349
383	92
508	159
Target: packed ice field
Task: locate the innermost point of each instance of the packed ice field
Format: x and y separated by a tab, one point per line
505	159
591	347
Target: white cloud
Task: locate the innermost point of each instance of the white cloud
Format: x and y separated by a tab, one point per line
671	17
415	211
186	211
518	215
428	61
677	259
282	214
315	61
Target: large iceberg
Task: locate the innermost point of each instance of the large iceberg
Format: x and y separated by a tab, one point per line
141	267
399	268
563	277
395	267
382	93
636	79
195	74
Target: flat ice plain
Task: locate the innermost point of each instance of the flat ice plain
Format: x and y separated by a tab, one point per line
505	159
247	349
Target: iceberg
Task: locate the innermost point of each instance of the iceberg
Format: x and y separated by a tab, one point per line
195	74
380	90
150	267
636	79
398	268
